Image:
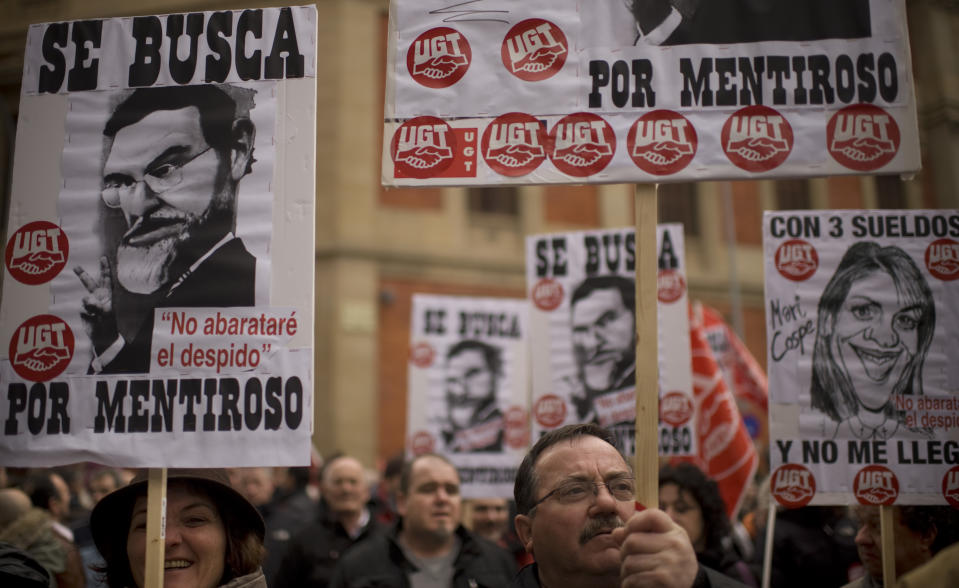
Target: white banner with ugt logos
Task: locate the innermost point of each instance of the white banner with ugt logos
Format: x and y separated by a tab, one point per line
863	356
583	341
601	91
468	393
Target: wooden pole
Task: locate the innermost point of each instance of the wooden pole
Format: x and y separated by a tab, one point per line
768	548
888	546
156	527
646	460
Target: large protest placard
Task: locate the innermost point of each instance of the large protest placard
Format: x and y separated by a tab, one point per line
157	305
574	91
468	394
583	334
863	356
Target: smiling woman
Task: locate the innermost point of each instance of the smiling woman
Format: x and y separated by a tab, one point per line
214	536
875	324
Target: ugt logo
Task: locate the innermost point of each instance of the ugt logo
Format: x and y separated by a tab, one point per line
514	144
534	50
662	142
423	147
862	137
796	260
757	138
583	144
439	57
41	348
36	253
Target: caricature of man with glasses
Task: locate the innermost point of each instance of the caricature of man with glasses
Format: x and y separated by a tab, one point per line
173	160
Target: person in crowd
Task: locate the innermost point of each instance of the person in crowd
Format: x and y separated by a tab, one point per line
49	491
103	482
214	536
343	518
875	323
19	570
384	496
490	518
942	571
693	501
428	546
920	532
289	511
30	529
812	546
577	516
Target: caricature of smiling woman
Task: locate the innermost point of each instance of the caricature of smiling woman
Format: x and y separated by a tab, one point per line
875	323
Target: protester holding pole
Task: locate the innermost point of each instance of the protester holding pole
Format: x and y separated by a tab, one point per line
214	536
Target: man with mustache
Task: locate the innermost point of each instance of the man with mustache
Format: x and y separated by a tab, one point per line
578	517
174	157
473	369
428	546
604	342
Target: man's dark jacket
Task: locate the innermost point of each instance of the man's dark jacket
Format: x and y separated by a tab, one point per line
314	552
226	278
380	563
706	578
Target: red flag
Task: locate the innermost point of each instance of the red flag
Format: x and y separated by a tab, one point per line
726	451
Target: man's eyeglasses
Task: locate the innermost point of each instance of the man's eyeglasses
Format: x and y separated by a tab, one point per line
159	179
573	491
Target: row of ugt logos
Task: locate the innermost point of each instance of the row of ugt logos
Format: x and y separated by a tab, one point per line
861	137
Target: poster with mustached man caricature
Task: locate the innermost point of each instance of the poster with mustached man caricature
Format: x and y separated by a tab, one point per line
468	388
158	298
863	356
582	291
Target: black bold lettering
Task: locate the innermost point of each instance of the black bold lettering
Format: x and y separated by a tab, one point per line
865	68
696	87
752	76
888	78
36	408
139	416
110	408
163	397
182	70
274	412
59	399
726	92
250	22
145	68
778	68
83	76
189	396
599	72
284	41
51	78
293	393
845	79
230	418
643	95
17	399
252	403
821	92
218	29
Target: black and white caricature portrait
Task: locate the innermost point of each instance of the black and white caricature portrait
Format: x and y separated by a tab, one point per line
173	163
603	327
876	320
473	370
685	22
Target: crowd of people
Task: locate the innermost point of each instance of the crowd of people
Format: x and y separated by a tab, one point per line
573	521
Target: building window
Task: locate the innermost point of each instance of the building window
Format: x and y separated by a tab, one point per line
494	200
793	195
677	204
890	192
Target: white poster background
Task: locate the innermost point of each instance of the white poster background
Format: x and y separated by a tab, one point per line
491	446
603	31
56	179
556	264
803	250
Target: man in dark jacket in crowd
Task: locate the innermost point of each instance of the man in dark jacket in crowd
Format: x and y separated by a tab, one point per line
343	519
428	546
574	494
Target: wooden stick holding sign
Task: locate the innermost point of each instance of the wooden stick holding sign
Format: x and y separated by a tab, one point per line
646	459
156	527
888	546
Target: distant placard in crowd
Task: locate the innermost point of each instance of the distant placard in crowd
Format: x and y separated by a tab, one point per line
157	307
594	91
468	393
582	293
863	356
